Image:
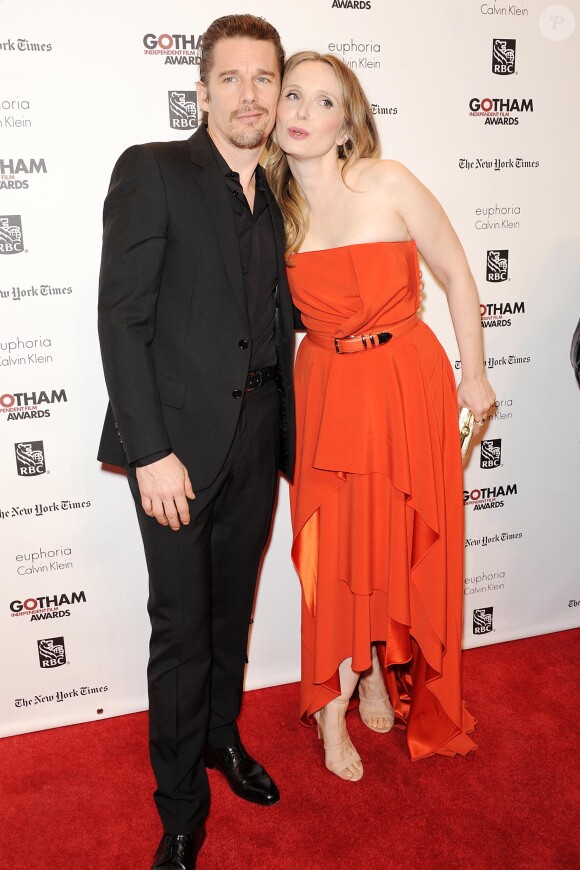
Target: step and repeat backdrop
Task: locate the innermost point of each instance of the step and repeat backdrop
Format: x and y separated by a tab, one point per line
477	100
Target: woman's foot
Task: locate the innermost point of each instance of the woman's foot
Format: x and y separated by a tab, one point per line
374	704
340	756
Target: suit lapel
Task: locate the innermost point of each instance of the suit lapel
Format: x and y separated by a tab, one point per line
216	197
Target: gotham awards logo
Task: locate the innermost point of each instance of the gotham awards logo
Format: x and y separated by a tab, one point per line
51	652
176	48
13	167
25	406
503	57
183	110
497	265
11	241
483	620
30	461
351	4
501	110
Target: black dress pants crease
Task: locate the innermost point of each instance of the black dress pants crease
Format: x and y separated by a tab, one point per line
202	582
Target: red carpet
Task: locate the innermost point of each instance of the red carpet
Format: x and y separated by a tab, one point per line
78	798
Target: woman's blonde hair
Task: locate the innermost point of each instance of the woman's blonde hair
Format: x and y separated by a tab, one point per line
363	141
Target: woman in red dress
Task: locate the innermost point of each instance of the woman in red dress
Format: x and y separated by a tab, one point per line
377	503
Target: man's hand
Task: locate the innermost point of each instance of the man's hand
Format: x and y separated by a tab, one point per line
165	487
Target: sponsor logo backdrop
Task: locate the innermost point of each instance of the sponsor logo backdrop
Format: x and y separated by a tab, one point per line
475	99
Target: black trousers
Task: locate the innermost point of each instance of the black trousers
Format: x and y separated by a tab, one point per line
202	581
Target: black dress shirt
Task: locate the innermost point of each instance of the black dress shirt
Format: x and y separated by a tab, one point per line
259	262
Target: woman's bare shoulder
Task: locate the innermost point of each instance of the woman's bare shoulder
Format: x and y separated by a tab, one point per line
384	174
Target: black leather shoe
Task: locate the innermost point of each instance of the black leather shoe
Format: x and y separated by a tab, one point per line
178	851
246	777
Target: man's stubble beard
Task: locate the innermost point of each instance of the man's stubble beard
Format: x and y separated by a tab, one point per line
247	139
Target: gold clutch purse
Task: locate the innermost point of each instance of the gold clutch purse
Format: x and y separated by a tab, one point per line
466	429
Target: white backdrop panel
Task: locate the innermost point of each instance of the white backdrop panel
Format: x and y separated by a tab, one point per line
77	87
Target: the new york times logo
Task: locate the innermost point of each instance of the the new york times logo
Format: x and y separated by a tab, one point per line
497	265
30	461
183	110
21	44
51	652
383	110
503	57
483	620
490	453
11	241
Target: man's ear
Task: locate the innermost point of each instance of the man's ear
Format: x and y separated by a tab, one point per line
202	96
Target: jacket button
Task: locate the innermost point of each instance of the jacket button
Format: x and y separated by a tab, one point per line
237	394
243	344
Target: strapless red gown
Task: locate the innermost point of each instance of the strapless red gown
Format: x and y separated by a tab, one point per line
377	503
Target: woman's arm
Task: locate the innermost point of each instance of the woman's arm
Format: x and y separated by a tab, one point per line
439	245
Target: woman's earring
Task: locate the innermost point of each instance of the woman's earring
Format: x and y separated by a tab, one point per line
340	151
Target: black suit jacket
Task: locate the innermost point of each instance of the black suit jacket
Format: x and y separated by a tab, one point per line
172	311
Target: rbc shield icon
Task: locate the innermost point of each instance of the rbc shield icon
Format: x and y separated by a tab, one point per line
183	110
503	57
11	241
483	620
51	652
497	266
491	453
30	461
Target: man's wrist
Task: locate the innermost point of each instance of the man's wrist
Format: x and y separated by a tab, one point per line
151	458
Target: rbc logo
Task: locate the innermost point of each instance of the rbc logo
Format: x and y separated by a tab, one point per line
497	266
491	453
30	459
503	57
183	110
483	620
11	241
51	652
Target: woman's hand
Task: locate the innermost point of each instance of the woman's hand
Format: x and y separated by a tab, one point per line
476	394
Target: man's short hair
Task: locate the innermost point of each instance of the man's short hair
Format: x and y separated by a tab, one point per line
238	27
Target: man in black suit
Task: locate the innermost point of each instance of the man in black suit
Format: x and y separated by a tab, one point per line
196	329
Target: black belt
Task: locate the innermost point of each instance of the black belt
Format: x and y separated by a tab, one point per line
259	377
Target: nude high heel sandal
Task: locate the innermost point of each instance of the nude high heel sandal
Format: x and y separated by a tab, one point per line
340	766
376	708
